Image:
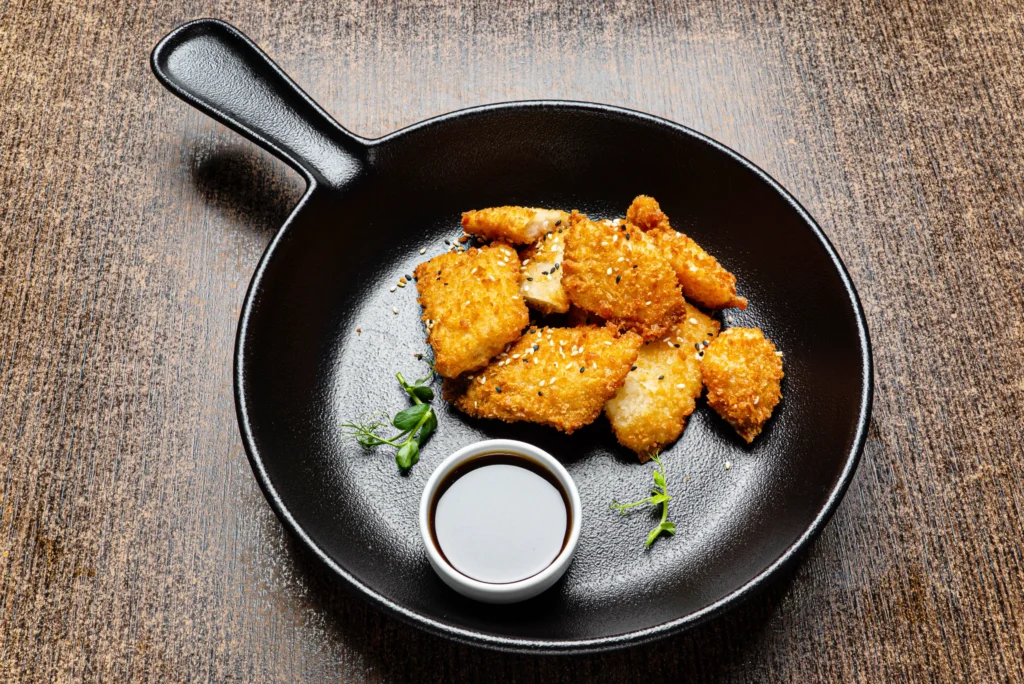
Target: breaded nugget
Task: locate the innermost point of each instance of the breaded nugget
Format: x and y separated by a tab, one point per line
743	372
554	376
620	275
471	305
542	273
703	279
650	410
518	225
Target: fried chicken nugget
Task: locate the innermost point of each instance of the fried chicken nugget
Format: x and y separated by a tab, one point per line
620	275
542	274
743	374
650	410
471	305
518	225
554	376
702	278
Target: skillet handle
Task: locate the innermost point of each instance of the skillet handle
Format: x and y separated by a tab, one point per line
212	66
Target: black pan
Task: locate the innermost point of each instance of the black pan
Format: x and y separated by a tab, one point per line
302	366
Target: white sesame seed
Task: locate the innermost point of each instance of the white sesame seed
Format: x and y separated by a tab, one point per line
516	356
728	465
525	261
698	356
647	303
475	404
681	385
665	340
526	288
608	343
609	271
541	383
394	309
423	251
756	399
729	319
693	321
482	380
778	353
393	288
620	259
473	271
552	381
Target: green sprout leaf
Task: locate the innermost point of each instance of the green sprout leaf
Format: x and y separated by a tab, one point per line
415	424
659	497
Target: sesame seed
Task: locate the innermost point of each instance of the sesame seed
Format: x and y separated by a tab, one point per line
552	381
618	278
647	303
729	319
408	277
393	288
482	380
697	346
539	393
582	368
778	354
699	356
474	270
633	368
498	390
609	271
516	356
558	222
728	465
693	321
401	284
525	261
756	399
681	386
661	377
423	251
394	309
541	383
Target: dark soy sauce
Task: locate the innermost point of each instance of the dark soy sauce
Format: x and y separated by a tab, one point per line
500	518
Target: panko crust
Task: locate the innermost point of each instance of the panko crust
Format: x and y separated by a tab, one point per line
518	225
538	379
650	410
618	274
471	305
703	279
743	374
541	284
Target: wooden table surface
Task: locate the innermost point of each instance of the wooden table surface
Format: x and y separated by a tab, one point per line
134	541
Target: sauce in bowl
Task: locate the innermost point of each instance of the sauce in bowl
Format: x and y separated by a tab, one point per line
500	518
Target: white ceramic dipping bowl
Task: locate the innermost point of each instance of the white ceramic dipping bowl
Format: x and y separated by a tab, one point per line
512	591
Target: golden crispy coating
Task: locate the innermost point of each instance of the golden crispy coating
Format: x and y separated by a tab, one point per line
539	378
702	278
542	273
620	275
743	372
649	412
518	225
471	305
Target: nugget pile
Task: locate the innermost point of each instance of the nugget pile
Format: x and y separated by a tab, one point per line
617	326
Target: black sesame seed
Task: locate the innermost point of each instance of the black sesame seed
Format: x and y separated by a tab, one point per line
661	377
618	278
633	368
627	236
705	343
408	277
676	345
582	368
447	242
543	272
536	347
498	390
540	394
558	223
697	346
634	265
530	279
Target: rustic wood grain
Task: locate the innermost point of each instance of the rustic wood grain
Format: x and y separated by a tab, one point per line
134	542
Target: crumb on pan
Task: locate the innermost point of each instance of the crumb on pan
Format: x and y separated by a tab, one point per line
617	273
559	377
704	281
518	225
650	410
542	273
743	374
471	305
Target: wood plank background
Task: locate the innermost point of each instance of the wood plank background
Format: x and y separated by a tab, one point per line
134	542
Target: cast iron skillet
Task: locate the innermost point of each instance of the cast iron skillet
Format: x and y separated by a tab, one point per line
302	366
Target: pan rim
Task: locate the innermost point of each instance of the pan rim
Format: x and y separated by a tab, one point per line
603	643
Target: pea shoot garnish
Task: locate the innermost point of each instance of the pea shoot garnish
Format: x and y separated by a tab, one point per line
415	424
659	495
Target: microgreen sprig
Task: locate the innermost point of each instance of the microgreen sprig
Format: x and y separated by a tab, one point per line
659	495
415	423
